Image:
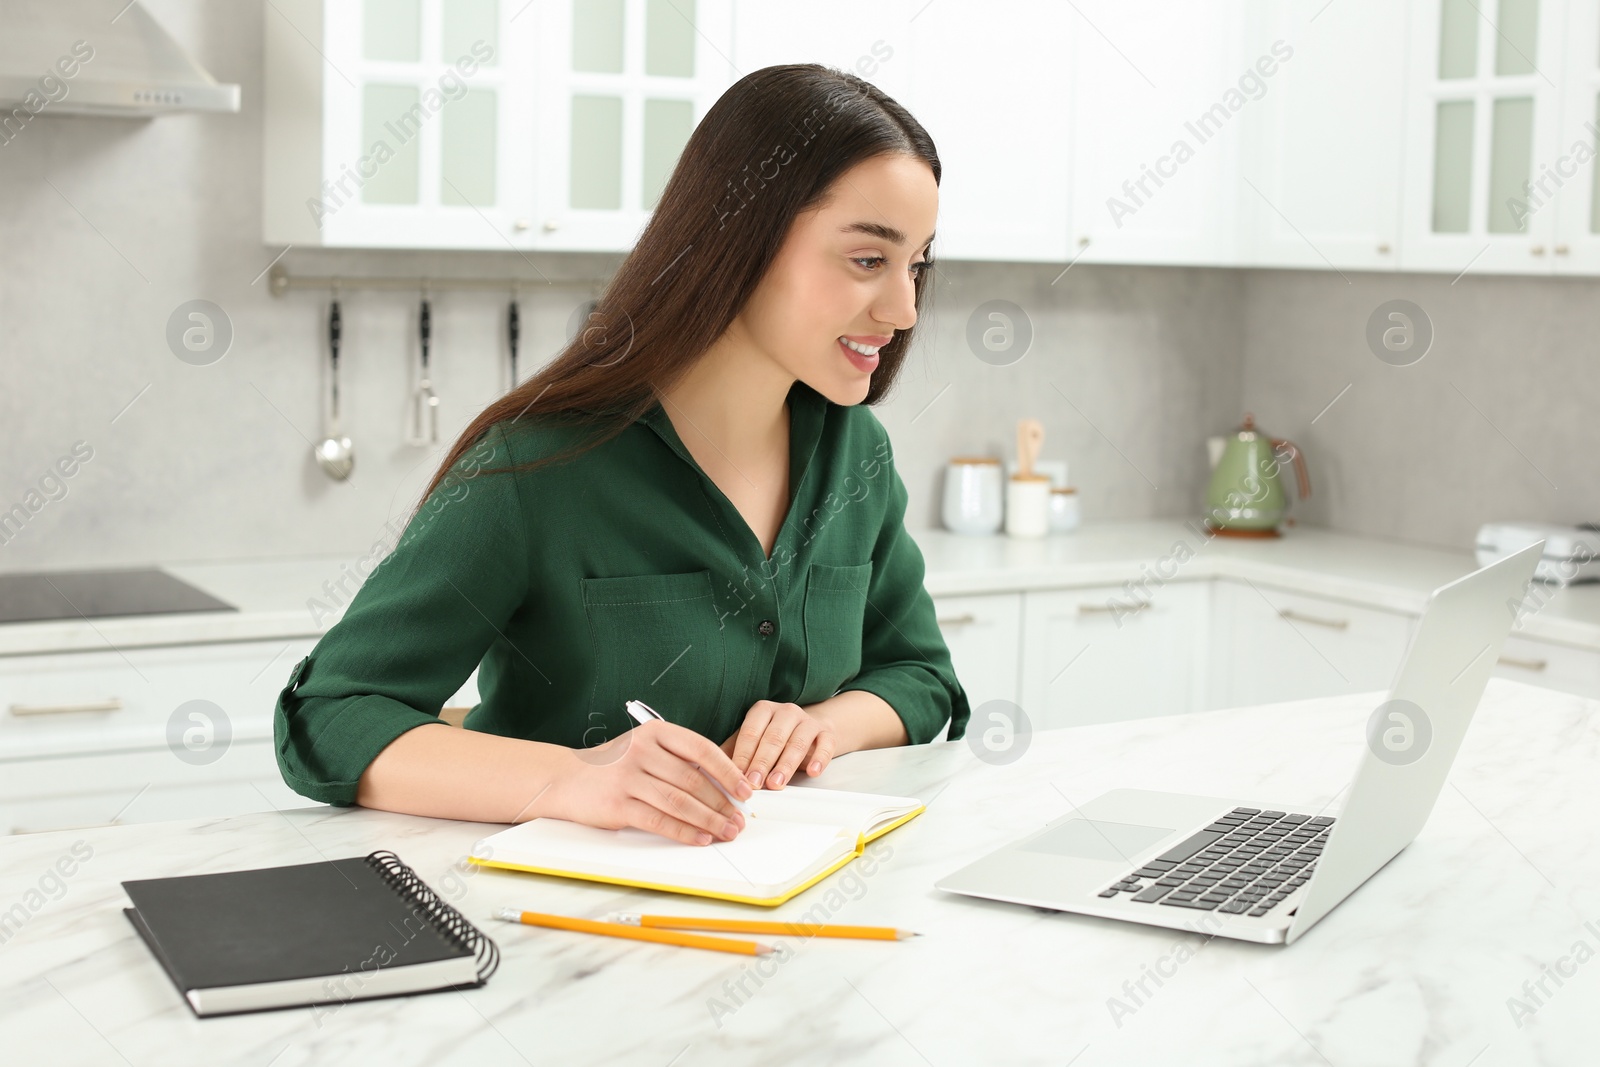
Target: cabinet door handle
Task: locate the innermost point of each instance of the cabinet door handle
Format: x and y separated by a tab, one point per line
958	620
109	704
1106	609
1295	616
1524	664
18	830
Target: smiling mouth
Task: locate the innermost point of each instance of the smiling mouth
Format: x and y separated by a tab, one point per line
862	357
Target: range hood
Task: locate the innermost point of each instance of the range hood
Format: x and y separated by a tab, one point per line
81	57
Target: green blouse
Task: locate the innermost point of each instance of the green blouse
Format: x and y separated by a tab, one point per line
625	573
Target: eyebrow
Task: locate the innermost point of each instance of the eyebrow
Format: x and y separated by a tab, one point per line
879	230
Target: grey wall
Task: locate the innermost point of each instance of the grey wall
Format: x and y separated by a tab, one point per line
1496	421
107	225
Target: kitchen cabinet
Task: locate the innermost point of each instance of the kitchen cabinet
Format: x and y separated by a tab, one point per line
1322	150
872	41
1002	141
1097	654
1482	110
140	734
89	736
1428	135
984	635
1155	130
149	785
477	124
1573	176
128	698
1003	138
1550	664
1270	645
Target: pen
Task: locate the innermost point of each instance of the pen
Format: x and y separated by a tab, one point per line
643	713
633	933
759	926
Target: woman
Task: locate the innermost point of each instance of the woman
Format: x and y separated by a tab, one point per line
687	507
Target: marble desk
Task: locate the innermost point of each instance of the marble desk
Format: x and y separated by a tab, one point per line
1476	945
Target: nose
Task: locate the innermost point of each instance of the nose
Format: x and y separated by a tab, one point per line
897	303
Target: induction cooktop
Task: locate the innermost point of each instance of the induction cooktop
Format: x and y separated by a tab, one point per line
41	596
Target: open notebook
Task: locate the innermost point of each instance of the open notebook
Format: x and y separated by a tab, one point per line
798	837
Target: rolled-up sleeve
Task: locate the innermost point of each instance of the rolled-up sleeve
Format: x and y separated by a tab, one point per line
412	634
904	658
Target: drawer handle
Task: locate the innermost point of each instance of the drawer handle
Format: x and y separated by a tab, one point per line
958	620
1295	616
1106	609
1524	664
110	704
19	830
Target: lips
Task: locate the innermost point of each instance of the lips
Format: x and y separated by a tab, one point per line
865	364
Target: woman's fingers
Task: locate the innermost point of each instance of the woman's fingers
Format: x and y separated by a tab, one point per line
686	807
694	748
685	776
770	748
744	748
794	750
647	816
821	753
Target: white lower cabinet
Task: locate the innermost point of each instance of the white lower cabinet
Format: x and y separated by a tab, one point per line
984	635
1098	655
1271	645
139	698
152	785
1563	667
142	734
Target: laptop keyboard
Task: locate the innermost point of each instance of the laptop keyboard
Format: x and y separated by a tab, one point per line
1247	862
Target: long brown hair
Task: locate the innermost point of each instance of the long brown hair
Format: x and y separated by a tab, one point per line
766	151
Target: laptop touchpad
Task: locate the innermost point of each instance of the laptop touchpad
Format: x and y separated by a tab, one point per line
1096	839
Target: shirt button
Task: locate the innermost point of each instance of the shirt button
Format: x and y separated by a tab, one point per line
766	629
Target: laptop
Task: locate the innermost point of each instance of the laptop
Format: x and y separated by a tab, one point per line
1258	872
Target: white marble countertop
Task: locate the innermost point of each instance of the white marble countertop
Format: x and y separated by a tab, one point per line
274	596
1418	967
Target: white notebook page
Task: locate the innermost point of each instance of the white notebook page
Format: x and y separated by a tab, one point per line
766	852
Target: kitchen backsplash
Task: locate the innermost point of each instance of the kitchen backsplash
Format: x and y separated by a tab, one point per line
108	225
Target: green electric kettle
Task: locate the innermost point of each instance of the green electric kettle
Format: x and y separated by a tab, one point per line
1246	497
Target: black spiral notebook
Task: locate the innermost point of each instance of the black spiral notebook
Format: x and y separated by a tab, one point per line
311	933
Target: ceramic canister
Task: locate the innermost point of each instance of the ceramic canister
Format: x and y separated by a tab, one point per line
972	495
1065	511
1028	506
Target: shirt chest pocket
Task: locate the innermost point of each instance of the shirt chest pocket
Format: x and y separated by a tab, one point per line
656	638
835	613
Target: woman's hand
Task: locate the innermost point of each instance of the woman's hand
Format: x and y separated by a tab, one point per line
647	779
776	738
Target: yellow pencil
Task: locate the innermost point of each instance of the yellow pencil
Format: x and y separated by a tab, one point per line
757	926
663	937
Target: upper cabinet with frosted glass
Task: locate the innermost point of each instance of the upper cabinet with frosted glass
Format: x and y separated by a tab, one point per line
481	124
1495	106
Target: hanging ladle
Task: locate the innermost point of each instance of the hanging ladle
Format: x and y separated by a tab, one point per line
335	454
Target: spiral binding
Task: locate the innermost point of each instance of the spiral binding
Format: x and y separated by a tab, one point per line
450	922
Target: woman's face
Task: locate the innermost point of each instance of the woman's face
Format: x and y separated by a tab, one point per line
846	271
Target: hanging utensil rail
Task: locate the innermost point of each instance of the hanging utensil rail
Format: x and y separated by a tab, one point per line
281	281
